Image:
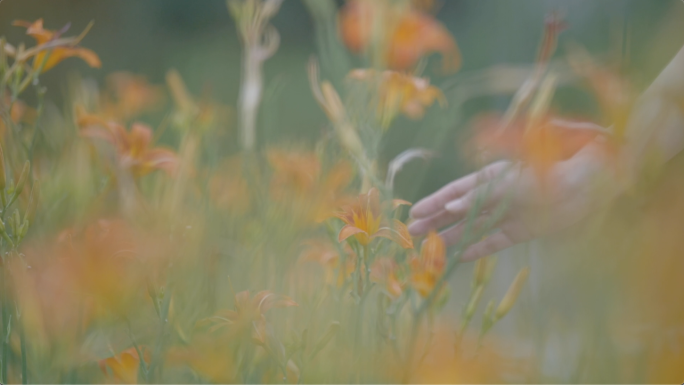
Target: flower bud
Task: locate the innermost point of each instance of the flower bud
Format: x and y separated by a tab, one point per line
512	295
472	304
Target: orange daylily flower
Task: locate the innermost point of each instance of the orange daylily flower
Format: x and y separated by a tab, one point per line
615	95
101	271
124	366
549	142
249	314
129	95
59	53
133	147
365	220
386	272
20	113
298	179
328	256
410	33
429	266
399	92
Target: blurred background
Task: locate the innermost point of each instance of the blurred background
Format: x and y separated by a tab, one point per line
198	38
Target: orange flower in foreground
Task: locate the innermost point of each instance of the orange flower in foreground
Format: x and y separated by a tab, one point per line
548	142
429	266
58	53
365	220
299	179
124	366
614	94
398	92
133	147
410	34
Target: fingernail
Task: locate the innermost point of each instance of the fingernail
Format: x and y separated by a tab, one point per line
454	206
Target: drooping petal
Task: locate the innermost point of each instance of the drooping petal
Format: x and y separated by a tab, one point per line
398	233
433	253
265	300
400	202
349	230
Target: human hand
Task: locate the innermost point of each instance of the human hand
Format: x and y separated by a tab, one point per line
572	190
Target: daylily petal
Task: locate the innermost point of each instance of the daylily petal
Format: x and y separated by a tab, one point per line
400	202
397	233
349	230
433	253
265	300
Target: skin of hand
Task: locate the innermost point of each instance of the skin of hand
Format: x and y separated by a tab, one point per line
575	188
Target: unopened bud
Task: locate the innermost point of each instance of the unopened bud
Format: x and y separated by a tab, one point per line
480	271
23	229
22	178
512	295
487	318
15	222
472	304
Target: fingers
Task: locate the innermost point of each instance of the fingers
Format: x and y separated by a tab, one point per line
423	226
453	234
490	245
433	204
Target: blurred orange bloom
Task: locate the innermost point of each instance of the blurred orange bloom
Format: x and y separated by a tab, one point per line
298	178
97	272
614	93
364	219
328	256
129	95
398	92
550	141
410	34
385	271
249	314
20	113
133	147
58	53
211	358
124	366
428	267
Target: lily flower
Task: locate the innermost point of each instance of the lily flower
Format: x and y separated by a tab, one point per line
59	52
134	148
386	272
365	220
427	268
328	256
399	92
410	34
128	96
299	180
124	366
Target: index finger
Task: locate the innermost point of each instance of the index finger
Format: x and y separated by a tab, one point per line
434	203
